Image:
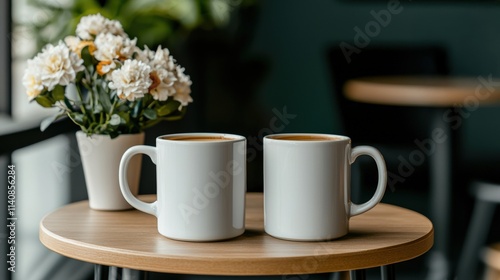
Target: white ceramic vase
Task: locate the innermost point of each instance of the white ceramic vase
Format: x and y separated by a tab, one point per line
100	157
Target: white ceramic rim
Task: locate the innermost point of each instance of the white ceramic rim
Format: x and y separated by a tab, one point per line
95	136
333	138
230	138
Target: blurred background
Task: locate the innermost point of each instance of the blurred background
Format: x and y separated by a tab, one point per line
258	67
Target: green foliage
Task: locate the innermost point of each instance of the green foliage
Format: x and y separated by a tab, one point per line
153	22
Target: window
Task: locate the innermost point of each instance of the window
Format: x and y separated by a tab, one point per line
44	171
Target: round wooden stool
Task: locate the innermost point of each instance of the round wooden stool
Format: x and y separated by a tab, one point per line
491	257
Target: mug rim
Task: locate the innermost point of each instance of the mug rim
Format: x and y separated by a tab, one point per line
333	137
228	137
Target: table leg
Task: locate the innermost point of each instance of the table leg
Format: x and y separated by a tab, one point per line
341	275
132	274
441	162
102	272
358	274
388	272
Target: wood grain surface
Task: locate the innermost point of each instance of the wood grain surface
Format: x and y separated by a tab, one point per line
424	91
384	235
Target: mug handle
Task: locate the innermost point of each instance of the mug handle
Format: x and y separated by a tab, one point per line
356	209
149	208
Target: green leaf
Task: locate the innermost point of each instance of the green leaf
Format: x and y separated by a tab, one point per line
124	116
44	101
58	93
168	108
78	118
150	114
86	5
87	57
177	116
123	108
97	109
79	76
113	134
115	6
48	121
173	118
104	99
137	109
67	103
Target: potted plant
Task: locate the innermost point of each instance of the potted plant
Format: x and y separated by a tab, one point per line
113	90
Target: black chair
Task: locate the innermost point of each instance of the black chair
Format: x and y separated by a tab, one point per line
487	198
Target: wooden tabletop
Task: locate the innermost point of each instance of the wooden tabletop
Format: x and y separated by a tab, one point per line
384	235
424	91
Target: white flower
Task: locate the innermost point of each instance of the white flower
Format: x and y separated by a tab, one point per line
73	43
132	80
163	67
91	26
55	65
159	59
145	55
164	86
110	47
76	45
169	77
182	87
32	80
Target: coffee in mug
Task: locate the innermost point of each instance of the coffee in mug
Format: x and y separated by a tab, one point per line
200	138
201	185
305	137
307	185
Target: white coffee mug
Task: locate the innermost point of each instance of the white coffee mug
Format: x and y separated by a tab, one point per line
307	185
201	185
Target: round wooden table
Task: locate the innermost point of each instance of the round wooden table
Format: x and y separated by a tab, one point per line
428	91
453	100
384	235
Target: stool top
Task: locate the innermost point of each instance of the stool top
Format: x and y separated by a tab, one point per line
491	256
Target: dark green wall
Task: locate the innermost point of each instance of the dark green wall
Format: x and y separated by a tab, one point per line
294	35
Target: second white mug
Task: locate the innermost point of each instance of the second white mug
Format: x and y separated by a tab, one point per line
307	185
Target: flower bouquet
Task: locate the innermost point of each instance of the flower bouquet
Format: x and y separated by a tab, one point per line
113	91
106	84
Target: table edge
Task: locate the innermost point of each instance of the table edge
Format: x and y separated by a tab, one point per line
260	267
415	95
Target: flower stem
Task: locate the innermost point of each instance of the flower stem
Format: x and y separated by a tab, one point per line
152	104
112	110
80	96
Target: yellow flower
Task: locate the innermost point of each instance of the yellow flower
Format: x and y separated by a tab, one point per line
76	45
